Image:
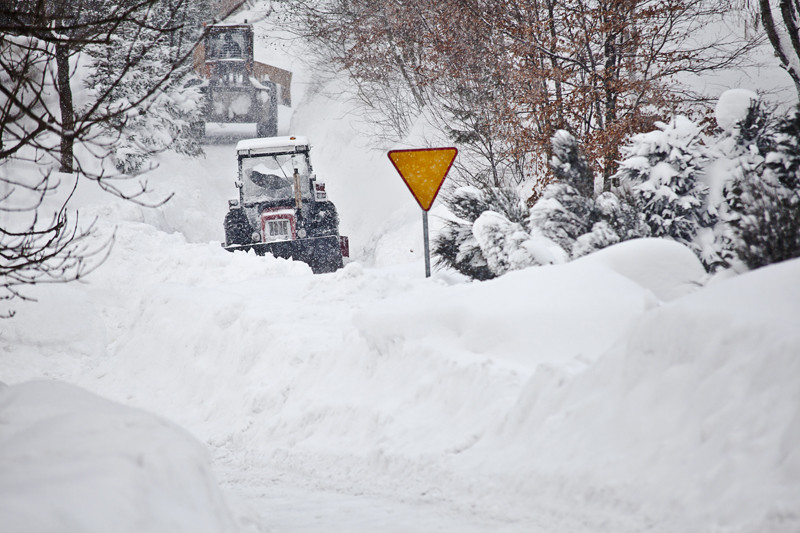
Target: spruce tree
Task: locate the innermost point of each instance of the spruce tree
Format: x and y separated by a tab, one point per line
662	171
569	164
764	201
455	246
563	214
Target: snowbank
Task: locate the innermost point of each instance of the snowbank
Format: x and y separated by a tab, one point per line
696	408
72	461
614	391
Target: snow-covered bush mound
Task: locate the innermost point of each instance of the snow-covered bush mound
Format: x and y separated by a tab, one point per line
732	108
72	461
667	268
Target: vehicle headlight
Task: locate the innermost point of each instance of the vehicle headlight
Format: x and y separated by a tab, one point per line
301	233
256	237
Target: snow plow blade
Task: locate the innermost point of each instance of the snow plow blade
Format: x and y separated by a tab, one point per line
322	254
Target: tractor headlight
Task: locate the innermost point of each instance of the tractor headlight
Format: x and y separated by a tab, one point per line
256	237
301	233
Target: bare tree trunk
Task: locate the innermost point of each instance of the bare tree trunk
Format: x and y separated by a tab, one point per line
554	61
67	110
789	12
790	9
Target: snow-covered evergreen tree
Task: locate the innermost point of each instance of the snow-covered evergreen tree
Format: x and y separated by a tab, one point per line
569	214
162	121
783	163
565	210
569	165
563	214
764	200
455	246
662	172
488	235
746	137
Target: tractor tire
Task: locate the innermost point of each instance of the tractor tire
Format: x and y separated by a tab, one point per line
237	228
326	255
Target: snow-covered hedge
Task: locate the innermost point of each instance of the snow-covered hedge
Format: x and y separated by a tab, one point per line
733	197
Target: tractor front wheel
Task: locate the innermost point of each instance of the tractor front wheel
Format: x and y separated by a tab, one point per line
237	228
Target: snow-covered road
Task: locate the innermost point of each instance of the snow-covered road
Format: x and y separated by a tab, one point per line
601	394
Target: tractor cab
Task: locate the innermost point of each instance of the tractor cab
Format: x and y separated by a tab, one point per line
229	54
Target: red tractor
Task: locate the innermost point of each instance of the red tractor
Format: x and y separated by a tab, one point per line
282	208
237	88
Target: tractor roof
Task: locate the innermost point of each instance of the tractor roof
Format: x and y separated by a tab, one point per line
271	145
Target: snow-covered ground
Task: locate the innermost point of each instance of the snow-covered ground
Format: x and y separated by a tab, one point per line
622	392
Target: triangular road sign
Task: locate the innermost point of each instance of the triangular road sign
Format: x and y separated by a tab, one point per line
423	170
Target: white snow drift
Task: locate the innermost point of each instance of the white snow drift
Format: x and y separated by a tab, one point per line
71	461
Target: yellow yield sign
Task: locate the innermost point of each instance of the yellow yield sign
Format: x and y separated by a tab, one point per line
423	170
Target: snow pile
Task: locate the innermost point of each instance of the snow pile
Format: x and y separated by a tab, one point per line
71	461
667	268
695	408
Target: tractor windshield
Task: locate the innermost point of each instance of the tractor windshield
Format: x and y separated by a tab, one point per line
271	177
226	44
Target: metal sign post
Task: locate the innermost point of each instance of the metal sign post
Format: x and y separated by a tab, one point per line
427	246
423	170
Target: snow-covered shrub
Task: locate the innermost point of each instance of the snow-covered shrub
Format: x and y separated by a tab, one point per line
733	198
569	214
455	246
569	165
601	236
563	214
616	221
500	242
509	246
662	172
488	235
764	199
